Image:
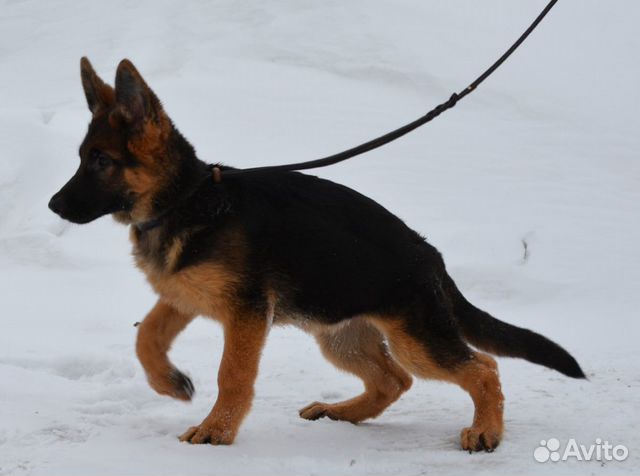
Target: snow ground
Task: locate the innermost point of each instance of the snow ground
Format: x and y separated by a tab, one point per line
546	151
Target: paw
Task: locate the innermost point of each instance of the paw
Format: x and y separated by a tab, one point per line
174	384
315	411
211	433
318	410
478	439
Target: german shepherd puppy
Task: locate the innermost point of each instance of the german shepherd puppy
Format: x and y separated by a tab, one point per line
274	248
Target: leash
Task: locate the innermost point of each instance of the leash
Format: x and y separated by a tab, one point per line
218	174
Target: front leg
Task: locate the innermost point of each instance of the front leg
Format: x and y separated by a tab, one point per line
155	335
244	339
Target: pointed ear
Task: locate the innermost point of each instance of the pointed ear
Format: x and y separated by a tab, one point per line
99	95
135	100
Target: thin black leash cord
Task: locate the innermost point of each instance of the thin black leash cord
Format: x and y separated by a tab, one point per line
393	135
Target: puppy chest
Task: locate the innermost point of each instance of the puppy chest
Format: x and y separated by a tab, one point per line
205	290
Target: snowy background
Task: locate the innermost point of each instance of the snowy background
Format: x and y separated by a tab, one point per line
547	151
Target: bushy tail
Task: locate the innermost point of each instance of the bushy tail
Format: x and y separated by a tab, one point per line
492	335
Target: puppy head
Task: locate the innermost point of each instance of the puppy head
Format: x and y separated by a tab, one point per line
124	157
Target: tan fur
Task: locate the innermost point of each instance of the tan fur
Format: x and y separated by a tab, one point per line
410	353
155	335
153	173
149	145
358	347
244	338
478	376
173	254
206	289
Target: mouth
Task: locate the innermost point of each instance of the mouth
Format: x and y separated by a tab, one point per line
82	217
78	219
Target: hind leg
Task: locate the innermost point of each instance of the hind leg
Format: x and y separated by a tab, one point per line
480	379
359	348
441	354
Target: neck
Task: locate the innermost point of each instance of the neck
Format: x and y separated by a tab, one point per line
188	174
151	224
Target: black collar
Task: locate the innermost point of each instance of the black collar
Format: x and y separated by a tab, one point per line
151	224
148	225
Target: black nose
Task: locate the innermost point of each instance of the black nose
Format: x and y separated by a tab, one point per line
56	203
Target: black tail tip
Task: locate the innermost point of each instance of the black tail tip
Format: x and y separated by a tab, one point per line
572	369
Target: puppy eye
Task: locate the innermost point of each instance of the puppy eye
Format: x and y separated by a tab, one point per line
100	158
104	160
